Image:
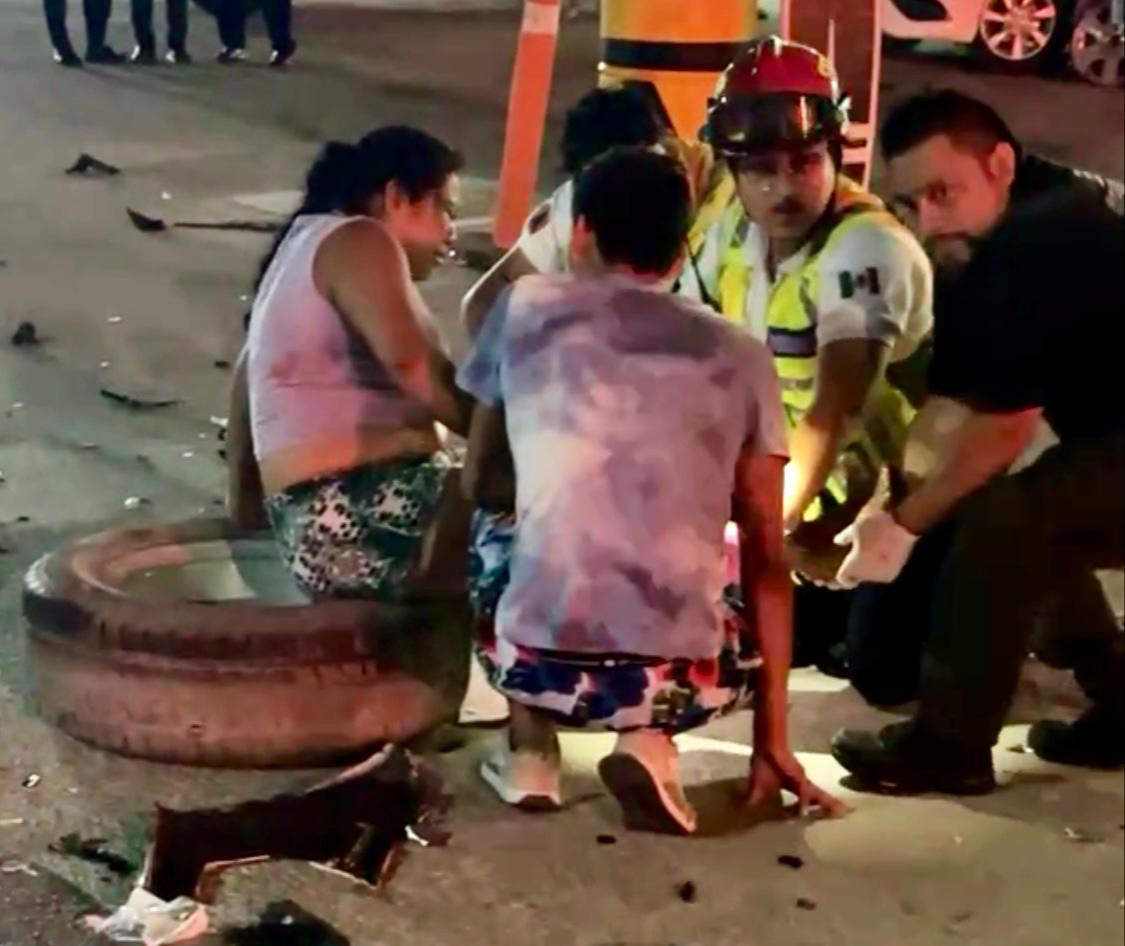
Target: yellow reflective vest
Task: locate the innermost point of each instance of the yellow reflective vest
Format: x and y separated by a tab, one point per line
791	322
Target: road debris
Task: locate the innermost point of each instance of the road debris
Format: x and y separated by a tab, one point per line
136	502
92	167
607	840
33	780
792	861
688	892
137	403
1018	750
93	851
11	822
147	224
1078	836
26	335
222	364
804	903
18	867
149	920
356	823
286	924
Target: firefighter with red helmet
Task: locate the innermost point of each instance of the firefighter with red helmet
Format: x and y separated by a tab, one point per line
817	268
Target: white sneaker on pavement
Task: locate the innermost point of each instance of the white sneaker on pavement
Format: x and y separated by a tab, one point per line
523	779
643	774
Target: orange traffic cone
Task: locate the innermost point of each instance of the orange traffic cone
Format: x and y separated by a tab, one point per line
527	116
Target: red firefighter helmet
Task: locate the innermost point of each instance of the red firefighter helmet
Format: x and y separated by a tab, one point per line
777	93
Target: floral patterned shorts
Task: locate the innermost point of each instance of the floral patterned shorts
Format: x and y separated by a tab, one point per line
359	534
611	692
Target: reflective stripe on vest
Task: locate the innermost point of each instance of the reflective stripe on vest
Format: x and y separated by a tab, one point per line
791	323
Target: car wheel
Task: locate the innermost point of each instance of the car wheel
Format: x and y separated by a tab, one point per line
188	643
1024	35
1097	48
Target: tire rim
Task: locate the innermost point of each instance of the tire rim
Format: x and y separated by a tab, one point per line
1099	47
1018	30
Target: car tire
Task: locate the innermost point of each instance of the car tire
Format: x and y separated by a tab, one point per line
229	680
1097	48
1048	56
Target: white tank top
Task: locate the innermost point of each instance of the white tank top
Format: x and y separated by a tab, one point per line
311	376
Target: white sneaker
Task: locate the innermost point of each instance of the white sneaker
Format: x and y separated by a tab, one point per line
643	774
522	779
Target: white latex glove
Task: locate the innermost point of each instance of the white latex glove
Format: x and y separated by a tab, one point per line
880	550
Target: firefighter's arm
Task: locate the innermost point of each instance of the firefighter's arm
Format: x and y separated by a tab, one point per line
846	374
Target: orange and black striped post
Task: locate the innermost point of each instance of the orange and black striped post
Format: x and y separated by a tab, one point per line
680	46
850	33
527	117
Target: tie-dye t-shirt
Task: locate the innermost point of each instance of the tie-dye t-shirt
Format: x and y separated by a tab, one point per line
627	409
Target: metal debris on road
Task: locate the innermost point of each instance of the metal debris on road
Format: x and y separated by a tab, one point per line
33	780
137	403
94	851
89	165
26	335
147	224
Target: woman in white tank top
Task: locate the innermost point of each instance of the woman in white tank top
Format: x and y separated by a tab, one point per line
343	380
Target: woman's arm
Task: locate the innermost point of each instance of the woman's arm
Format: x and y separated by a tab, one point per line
245	495
363	271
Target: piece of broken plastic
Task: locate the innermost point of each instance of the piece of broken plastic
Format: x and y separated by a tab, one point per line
147	919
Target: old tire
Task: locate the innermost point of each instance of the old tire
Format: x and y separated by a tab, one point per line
136	647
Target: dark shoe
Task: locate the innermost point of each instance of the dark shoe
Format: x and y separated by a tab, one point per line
229	56
899	759
68	59
105	56
143	56
1094	742
178	57
282	57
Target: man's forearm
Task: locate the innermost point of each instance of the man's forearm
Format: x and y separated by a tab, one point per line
814	448
982	447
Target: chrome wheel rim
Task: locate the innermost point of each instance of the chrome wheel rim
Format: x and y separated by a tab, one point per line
1099	47
1019	30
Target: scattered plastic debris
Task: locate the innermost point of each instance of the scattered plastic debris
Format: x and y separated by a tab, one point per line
792	861
165	195
137	403
136	502
804	903
93	851
149	920
33	780
18	867
222	364
115	320
26	335
1078	836
11	822
286	924
607	840
688	892
89	165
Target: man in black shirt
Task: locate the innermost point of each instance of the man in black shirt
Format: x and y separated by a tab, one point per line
1030	331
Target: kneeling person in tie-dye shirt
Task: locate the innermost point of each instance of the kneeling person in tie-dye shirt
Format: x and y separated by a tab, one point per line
622	424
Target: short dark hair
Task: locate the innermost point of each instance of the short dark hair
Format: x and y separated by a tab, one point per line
617	117
638	205
971	123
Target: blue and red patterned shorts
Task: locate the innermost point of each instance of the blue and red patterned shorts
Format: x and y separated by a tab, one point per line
615	692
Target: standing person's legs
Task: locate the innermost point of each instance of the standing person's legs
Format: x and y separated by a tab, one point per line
177	13
143	30
231	20
55	13
97	22
278	15
1013	540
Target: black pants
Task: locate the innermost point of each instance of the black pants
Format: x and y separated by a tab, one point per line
97	19
1015	567
278	15
177	23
